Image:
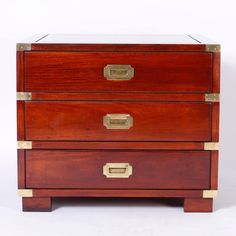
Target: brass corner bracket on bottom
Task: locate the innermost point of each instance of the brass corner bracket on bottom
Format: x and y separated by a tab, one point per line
209	193
212	97
25	192
211	146
24	144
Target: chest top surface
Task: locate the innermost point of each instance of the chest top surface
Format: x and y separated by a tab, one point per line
119	39
118	42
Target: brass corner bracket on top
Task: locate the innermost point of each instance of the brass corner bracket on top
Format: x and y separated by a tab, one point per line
212	97
25	192
213	47
209	193
23	96
23	46
24	144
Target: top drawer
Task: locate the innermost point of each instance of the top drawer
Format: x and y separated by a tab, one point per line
177	72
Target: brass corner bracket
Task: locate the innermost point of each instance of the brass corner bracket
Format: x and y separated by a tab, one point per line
25	192
211	146
23	96
213	47
23	47
209	193
212	97
24	144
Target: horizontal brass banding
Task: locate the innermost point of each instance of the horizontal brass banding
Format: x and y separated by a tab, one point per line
83	96
119	145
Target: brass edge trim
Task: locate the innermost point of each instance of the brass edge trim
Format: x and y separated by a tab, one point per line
212	97
23	46
211	146
213	47
209	193
23	96
24	144
25	192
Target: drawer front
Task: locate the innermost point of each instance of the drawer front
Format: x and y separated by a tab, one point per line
118	121
118	169
152	71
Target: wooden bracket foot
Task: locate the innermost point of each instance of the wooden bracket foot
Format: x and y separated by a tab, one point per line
36	204
198	205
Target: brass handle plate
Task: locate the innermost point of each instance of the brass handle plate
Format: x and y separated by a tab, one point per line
117	170
118	121
118	72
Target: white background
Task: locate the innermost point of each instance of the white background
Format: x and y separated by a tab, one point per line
20	19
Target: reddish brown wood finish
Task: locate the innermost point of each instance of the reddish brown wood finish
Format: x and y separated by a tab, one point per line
36	204
172	74
20	71
119	145
151	170
117	193
215	120
20	120
216	72
159	72
21	168
84	121
194	97
119	47
214	169
198	205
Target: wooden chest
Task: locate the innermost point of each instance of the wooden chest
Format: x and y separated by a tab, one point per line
118	116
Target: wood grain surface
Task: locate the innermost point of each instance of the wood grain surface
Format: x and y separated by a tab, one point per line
151	170
83	71
152	121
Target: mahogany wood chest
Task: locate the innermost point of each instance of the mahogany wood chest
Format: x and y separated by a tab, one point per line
118	116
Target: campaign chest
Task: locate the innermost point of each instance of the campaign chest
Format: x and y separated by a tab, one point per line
118	116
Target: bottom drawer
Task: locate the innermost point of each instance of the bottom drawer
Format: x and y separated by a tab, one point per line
118	169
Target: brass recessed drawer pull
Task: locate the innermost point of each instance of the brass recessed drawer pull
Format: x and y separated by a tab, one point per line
118	121
118	72
117	170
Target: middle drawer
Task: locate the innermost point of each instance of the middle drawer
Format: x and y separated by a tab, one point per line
117	121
